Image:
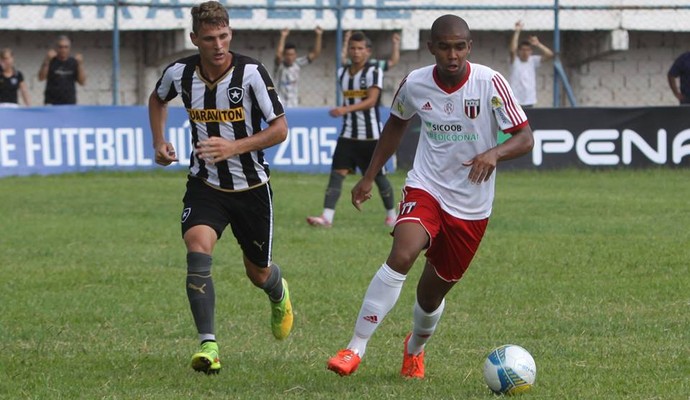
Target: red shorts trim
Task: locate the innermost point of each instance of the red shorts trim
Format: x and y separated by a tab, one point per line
453	242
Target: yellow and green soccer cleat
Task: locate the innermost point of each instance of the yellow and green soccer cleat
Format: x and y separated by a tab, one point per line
207	360
281	315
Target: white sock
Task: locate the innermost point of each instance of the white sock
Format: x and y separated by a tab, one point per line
381	296
392	213
328	214
423	327
203	337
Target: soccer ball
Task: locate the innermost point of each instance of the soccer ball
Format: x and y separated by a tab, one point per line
509	369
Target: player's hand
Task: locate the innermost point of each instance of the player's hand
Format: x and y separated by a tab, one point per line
337	112
483	165
519	25
395	38
51	54
533	40
284	32
215	149
165	154
318	30
361	193
79	57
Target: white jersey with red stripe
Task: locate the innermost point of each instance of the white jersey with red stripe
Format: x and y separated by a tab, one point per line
456	125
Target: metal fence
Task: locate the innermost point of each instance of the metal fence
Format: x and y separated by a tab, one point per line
606	54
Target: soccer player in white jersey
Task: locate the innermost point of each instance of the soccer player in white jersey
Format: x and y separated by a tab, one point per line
449	191
226	95
361	84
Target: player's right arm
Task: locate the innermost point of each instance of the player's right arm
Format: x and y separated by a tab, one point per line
43	71
158	114
392	134
514	41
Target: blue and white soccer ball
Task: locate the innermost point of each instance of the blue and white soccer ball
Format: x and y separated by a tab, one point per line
509	369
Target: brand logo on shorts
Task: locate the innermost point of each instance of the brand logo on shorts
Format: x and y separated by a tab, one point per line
185	213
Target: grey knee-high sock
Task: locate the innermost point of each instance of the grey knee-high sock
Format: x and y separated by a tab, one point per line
202	297
274	284
385	190
335	184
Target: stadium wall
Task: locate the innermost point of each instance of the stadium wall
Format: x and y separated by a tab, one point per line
601	70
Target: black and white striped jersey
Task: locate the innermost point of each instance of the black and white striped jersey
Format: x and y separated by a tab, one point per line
361	125
231	107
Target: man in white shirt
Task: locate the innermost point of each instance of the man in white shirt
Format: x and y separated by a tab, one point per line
523	66
288	66
448	194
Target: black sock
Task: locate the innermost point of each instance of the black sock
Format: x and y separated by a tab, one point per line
335	185
274	284
385	190
200	292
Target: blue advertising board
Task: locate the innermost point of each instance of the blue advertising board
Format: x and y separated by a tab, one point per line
52	140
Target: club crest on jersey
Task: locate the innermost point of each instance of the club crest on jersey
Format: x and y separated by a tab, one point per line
449	108
235	94
472	108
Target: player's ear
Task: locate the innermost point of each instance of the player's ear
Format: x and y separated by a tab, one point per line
193	38
430	46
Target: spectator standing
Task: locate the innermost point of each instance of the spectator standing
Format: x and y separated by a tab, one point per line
384	64
523	66
449	192
228	96
361	85
11	81
680	69
62	71
288	66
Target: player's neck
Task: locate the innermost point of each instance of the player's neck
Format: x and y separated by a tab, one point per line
214	72
354	68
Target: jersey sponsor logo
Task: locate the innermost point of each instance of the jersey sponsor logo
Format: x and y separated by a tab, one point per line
229	115
235	94
426	106
448	133
500	110
399	106
355	94
472	108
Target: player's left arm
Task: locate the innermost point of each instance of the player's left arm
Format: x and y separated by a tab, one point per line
370	101
511	118
484	164
24	93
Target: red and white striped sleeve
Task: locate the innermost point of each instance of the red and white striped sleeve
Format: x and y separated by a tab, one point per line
507	111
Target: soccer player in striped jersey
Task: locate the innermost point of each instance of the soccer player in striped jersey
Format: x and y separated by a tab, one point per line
361	84
449	191
227	95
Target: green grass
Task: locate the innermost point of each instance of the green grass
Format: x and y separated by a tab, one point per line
587	270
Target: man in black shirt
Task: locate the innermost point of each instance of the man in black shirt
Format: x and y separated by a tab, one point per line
62	70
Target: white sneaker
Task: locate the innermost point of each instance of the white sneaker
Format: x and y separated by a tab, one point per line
319	221
390	221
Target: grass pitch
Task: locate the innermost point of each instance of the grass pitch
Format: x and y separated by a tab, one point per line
589	271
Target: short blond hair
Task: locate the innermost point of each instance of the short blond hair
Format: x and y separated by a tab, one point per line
209	12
